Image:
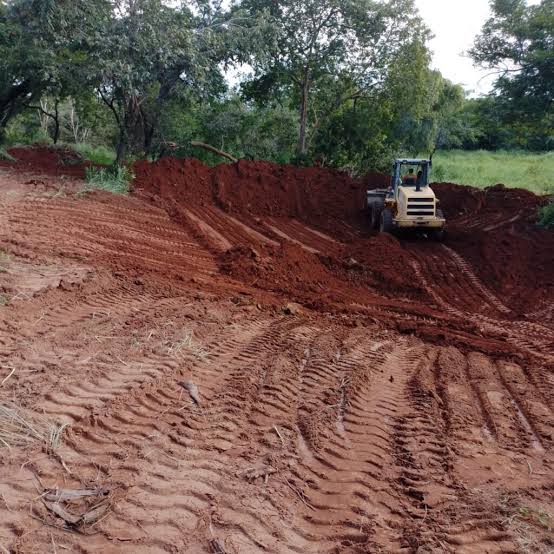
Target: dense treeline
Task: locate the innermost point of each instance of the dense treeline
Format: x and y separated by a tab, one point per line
340	82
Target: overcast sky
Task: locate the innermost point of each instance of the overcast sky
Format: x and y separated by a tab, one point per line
455	23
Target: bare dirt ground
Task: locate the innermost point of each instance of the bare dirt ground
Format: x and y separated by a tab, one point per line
272	379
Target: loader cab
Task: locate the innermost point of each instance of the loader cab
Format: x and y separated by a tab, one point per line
410	173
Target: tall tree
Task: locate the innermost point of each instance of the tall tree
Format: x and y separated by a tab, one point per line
42	49
316	39
517	44
152	51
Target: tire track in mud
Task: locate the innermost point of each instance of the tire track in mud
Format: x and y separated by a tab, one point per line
345	477
110	234
455	288
439	426
311	436
208	435
466	407
136	435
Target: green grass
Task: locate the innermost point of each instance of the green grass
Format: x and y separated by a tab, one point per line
114	179
96	154
480	168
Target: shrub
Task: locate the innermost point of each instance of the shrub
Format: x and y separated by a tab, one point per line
114	179
99	155
546	216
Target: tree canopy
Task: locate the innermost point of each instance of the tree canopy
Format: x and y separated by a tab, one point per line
347	83
517	44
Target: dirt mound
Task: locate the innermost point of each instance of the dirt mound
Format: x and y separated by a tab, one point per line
376	180
495	230
47	160
385	264
201	413
497	201
256	188
287	269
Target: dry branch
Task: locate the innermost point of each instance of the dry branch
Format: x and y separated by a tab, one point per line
213	150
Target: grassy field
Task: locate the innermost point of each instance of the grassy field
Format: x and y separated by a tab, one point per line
481	169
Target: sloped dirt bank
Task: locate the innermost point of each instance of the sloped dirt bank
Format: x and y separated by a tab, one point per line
493	230
205	411
47	160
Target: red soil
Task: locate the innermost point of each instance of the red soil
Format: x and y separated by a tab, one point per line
319	196
494	229
405	406
47	160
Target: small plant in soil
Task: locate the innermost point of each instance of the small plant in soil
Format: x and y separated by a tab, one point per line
114	179
546	216
186	344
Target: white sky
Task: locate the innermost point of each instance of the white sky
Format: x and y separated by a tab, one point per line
455	23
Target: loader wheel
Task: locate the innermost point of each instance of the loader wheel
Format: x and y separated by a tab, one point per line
439	234
386	221
376	210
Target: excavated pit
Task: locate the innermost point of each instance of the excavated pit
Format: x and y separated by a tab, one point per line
243	366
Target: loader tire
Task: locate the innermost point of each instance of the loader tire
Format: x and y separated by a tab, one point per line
386	221
439	234
375	215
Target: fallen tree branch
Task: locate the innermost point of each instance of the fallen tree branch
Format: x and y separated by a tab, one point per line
214	150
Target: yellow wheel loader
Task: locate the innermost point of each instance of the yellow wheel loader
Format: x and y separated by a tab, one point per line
409	204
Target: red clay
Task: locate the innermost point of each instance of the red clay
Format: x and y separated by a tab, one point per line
493	229
404	406
47	160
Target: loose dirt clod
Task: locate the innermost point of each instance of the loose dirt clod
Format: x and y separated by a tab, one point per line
257	472
192	390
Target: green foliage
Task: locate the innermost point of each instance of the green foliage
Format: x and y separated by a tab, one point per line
414	110
546	216
99	155
492	125
518	44
483	169
319	41
151	52
114	179
42	46
346	83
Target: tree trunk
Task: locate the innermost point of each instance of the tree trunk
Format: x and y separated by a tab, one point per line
121	150
302	140
56	122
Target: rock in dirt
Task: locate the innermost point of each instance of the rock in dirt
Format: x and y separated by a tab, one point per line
192	390
292	308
